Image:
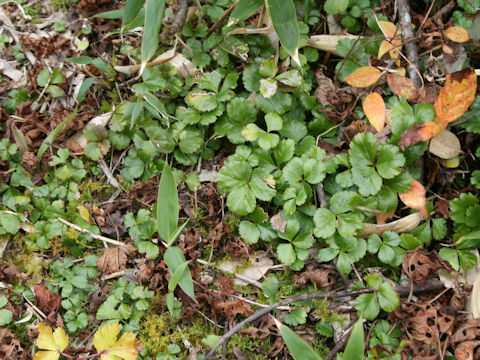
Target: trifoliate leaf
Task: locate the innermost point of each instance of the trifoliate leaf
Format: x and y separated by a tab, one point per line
363	149
388	297
286	254
203	101
349	224
400	183
53	341
268	68
293	171
10	222
241	200
249	232
296	317
252	132
105	340
268	141
325	223
262	185
328	254
274	122
344	201
314	171
390	160
367	305
290	78
336	6
279	103
367	180
284	151
233	175
373	244
439	228
386	254
251	78
373	280
344	262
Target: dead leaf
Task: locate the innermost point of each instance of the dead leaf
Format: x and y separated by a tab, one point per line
10	347
363	77
417	265
415	198
47	301
114	259
456	96
402	86
323	278
394	44
457	34
374	109
232	308
445	145
420	132
278	223
405	224
259	264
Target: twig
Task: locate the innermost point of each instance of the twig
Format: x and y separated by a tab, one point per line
321	195
343	341
434	285
410	43
91	234
222	18
111	179
178	23
444	10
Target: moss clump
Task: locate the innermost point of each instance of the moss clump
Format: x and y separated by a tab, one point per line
250	346
322	310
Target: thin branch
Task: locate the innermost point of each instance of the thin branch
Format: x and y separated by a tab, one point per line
434	285
410	43
339	345
178	23
91	234
222	18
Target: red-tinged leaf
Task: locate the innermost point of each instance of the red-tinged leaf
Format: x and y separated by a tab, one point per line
415	198
457	34
364	76
374	109
456	96
420	132
402	86
447	49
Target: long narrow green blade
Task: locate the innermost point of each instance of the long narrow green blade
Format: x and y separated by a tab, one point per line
132	7
167	204
243	10
153	23
355	348
284	19
298	348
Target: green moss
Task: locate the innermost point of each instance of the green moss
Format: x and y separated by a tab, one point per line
250	346
322	310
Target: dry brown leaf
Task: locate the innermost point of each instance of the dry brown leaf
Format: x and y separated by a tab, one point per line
114	259
445	145
363	77
47	301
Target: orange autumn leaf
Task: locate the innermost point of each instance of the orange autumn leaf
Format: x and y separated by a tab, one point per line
394	43
457	34
402	86
364	76
456	96
415	198
374	109
420	132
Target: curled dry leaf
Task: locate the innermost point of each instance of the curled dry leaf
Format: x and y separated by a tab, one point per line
405	224
457	34
456	96
363	77
445	145
402	86
374	109
415	198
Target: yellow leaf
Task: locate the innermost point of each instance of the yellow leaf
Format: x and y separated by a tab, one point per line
364	76
105	341
374	109
84	213
55	342
106	337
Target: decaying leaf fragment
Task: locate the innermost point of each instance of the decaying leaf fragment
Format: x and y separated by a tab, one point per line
415	198
363	77
405	224
457	34
374	109
456	96
402	86
445	145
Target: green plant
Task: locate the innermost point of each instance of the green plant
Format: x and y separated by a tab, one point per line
6	315
49	81
384	296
